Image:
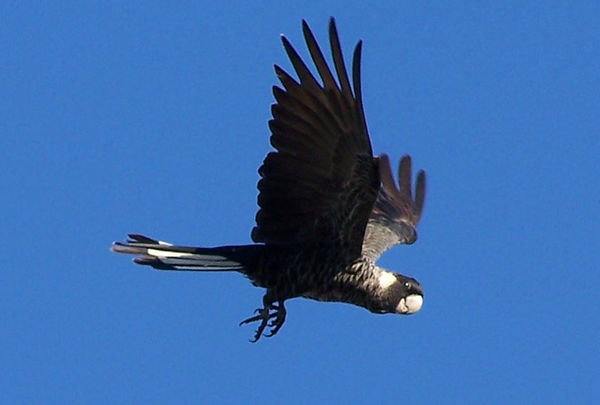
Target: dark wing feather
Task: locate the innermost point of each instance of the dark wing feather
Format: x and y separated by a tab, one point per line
395	214
320	184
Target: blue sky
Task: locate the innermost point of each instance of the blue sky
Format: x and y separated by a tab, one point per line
151	118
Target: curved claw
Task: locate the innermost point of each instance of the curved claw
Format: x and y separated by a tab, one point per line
264	315
252	319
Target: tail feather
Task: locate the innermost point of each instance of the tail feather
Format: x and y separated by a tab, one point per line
164	256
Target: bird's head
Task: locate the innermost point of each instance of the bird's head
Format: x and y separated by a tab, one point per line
402	294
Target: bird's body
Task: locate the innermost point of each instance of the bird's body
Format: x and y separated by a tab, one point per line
328	208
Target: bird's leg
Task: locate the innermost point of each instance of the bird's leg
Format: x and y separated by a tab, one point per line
264	314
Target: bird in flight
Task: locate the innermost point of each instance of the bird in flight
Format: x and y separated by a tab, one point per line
327	207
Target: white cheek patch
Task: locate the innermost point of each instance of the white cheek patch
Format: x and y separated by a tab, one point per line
410	304
386	279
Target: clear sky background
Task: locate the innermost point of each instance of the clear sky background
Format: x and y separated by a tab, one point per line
152	118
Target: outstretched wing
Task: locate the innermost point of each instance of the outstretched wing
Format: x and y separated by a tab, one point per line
321	183
395	214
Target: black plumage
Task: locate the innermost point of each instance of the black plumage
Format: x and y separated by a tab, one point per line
328	208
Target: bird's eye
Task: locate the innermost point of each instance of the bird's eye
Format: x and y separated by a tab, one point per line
407	284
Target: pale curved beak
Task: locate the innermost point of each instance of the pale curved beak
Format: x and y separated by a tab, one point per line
410	304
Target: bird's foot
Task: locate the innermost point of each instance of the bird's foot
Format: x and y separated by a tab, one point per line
270	311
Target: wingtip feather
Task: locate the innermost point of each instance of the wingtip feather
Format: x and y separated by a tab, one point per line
405	176
420	193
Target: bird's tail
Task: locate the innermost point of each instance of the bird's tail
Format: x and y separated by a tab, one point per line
164	256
